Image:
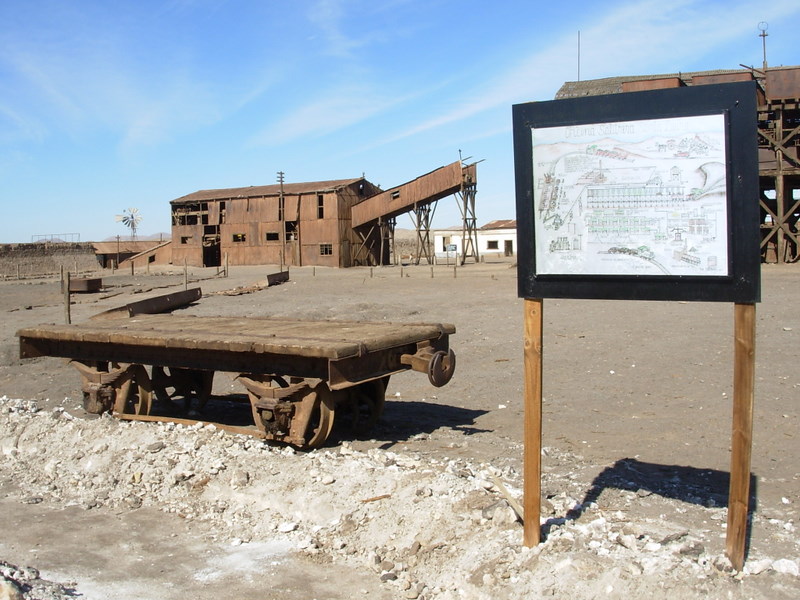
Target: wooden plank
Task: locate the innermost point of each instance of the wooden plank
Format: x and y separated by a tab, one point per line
742	432
532	449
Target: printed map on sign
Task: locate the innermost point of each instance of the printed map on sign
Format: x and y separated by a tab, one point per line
631	198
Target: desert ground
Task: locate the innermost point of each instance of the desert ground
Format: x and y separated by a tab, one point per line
637	420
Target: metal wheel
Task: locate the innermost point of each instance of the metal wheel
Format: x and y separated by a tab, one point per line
322	416
365	405
135	395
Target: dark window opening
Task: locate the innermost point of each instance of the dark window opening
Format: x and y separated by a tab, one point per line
320	206
273	236
492	245
239	237
185	239
326	249
291	230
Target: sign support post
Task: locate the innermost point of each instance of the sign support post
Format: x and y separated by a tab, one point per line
742	432
532	444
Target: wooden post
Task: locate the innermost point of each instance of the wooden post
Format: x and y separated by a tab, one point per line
742	434
132	272
185	275
532	442
67	314
226	265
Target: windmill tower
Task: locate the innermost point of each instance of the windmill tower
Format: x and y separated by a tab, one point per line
131	219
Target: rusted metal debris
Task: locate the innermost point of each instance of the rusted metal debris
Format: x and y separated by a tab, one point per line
84	284
150	306
300	376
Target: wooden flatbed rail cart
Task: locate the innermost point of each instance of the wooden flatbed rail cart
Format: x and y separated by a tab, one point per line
297	374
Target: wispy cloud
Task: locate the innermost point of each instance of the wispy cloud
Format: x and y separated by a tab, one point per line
332	110
327	16
629	40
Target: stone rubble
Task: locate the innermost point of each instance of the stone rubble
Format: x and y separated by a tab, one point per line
428	528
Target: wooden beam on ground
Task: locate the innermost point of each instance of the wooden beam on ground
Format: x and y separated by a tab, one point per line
532	449
742	433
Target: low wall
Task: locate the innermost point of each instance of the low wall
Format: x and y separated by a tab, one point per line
26	261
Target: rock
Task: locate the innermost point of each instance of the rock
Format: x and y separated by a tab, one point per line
756	567
693	549
9	590
327	479
287	527
786	566
156	447
240	478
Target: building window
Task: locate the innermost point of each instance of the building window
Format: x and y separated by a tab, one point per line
185	239
273	236
239	237
492	245
326	249
320	206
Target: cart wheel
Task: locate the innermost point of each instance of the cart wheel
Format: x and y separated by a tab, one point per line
140	393
366	405
186	384
322	416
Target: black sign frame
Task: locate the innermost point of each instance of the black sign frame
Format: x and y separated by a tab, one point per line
737	102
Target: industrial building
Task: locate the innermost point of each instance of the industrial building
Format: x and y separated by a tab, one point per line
339	223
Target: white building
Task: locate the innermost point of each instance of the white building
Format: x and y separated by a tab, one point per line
495	239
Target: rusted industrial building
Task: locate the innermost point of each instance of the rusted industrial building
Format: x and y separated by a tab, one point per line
339	223
292	224
778	140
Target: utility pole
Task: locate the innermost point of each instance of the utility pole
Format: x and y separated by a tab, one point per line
281	219
762	27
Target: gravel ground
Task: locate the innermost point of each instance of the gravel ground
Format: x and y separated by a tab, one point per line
637	417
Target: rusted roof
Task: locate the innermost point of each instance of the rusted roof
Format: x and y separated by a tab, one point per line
255	191
613	85
501	224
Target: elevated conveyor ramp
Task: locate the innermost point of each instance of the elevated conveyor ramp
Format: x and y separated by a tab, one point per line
374	218
426	189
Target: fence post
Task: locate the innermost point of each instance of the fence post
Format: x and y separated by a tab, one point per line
67	315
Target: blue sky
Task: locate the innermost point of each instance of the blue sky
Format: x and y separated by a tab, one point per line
110	105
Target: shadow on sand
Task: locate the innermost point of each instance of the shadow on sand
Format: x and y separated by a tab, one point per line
704	487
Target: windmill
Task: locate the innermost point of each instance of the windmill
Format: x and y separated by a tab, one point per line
131	219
